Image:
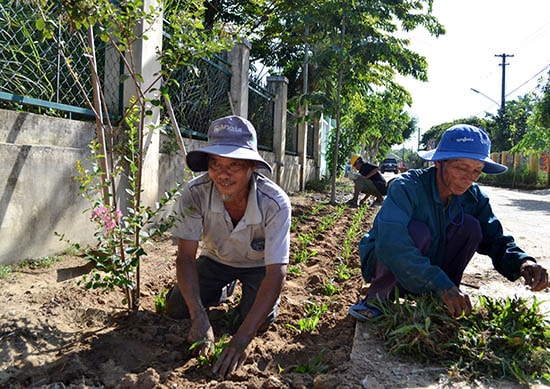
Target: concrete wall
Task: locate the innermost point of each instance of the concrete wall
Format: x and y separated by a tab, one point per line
39	194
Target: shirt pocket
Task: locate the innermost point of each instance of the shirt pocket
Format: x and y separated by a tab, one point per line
256	250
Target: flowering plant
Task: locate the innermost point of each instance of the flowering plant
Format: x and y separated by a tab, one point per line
113	184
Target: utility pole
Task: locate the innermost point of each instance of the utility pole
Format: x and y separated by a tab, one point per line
503	64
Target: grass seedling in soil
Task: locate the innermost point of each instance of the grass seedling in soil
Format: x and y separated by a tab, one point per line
5	271
343	271
294	269
313	368
330	288
160	302
502	338
312	313
298	219
39	263
214	352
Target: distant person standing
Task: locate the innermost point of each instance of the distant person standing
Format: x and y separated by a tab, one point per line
369	181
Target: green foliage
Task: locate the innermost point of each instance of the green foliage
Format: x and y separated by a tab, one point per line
501	338
121	237
312	313
517	178
343	271
330	288
214	352
5	271
320	186
39	263
302	253
296	220
312	367
294	269
160	302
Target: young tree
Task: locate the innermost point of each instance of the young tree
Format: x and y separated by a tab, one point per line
114	184
537	136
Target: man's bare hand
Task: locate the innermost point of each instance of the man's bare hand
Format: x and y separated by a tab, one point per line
201	330
233	356
457	303
536	277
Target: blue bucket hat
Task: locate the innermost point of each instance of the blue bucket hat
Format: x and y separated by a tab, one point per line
231	137
465	141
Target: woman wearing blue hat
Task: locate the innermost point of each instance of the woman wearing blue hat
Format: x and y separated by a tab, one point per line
433	221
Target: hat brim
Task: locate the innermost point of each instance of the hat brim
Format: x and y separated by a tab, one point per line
491	167
197	160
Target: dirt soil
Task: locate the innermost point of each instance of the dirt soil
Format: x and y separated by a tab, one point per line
56	334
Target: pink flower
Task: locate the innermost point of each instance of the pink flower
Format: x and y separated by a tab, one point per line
109	220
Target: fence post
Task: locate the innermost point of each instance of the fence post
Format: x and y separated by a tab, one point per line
302	145
317	146
148	66
278	85
239	58
534	165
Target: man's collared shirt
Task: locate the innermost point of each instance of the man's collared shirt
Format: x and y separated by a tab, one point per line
261	237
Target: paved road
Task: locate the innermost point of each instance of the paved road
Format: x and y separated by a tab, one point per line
526	216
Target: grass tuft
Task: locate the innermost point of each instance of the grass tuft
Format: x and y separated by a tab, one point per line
502	338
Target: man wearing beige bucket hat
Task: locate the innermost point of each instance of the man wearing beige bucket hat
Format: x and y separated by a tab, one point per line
242	220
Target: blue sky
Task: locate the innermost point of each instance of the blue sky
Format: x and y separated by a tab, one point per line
464	58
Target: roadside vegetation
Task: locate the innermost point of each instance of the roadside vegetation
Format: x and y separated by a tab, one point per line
502	338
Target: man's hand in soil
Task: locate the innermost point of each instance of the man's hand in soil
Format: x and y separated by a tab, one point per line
201	330
457	303
535	275
233	355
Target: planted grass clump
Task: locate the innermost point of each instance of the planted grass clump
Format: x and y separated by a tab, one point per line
502	338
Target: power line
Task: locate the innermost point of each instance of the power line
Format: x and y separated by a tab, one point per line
530	79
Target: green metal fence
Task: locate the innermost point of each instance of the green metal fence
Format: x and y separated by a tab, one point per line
34	71
260	113
199	94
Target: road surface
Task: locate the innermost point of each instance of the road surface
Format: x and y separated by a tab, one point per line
526	216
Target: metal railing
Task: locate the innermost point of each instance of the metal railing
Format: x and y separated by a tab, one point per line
34	71
199	94
260	113
291	143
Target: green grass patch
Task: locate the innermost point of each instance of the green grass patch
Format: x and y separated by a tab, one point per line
502	338
39	263
5	271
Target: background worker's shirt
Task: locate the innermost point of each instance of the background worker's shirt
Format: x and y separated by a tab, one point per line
377	178
261	237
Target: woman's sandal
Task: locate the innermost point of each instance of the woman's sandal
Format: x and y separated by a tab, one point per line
363	312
